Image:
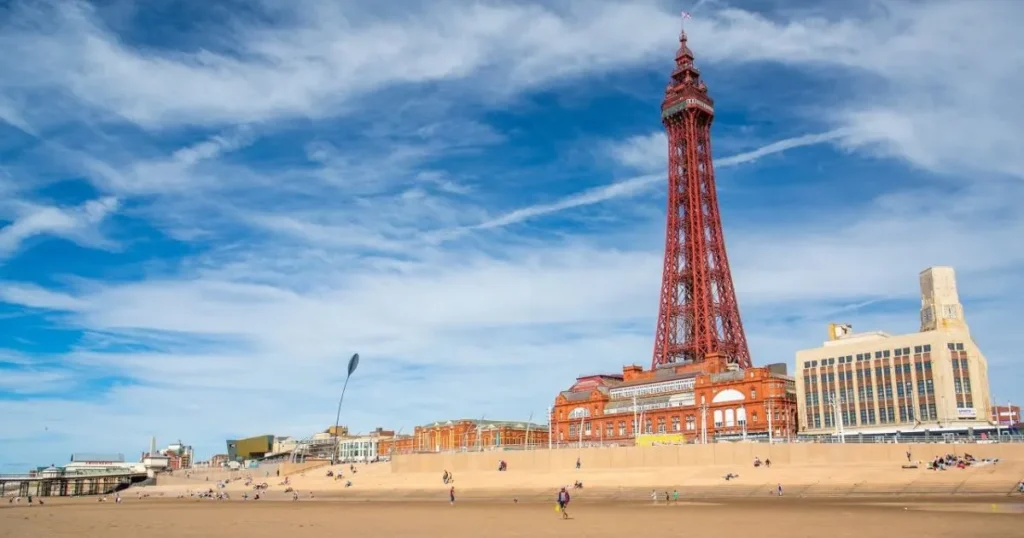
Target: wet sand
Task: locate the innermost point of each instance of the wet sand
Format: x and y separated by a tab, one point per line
765	518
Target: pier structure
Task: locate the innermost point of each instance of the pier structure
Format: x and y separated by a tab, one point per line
59	484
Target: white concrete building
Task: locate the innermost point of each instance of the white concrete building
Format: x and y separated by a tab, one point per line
358	449
934	381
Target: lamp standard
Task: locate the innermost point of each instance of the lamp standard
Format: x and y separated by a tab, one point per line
353	363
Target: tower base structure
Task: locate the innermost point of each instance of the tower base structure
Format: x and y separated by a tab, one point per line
703	402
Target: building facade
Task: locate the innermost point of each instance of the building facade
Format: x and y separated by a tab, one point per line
249	448
399	444
1006	416
471	434
358	449
933	381
678	403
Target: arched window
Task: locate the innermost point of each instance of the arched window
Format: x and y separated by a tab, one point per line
579	412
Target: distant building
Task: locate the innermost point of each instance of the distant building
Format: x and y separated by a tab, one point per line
1006	416
342	431
399	444
471	434
934	381
95	463
250	448
181	456
219	460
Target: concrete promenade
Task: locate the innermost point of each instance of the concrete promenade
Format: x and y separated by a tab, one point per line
740	455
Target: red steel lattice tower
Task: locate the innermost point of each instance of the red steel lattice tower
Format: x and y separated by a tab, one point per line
698	314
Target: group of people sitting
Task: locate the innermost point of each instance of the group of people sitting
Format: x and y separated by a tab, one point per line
941	463
757	462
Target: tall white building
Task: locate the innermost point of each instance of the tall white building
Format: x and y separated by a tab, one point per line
935	380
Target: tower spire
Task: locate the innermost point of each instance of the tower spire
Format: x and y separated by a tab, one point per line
697	315
685	76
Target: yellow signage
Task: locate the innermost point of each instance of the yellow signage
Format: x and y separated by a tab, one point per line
654	439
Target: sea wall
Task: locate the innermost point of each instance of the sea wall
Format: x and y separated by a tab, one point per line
288	468
696	455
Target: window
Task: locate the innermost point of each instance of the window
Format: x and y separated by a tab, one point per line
753	417
573	429
609	429
586	429
691	423
927	348
753	394
730	418
676	426
917	349
661	424
718	418
648	426
622	428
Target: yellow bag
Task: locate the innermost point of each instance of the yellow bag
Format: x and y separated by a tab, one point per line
557	508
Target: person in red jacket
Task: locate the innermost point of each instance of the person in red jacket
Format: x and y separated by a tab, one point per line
563	501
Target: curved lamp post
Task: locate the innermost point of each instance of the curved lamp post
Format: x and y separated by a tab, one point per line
353	363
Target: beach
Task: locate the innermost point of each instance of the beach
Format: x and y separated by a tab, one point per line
764	517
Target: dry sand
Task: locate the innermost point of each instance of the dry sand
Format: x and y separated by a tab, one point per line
763	518
377	481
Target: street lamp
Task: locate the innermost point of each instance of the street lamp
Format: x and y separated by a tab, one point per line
353	363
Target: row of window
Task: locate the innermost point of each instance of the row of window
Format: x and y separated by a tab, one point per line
680	385
728	418
886	415
882	354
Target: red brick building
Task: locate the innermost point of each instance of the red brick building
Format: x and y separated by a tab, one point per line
709	399
1006	416
471	434
401	444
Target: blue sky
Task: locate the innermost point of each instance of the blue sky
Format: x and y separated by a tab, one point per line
206	208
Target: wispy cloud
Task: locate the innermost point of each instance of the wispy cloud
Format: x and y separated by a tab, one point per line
78	224
279	182
644	153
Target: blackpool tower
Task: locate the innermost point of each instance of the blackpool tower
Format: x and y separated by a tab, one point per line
697	314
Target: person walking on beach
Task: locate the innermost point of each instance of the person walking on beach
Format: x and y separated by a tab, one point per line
675	496
451	495
578	463
780	490
563	501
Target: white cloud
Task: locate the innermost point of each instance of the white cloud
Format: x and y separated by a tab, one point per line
930	79
340	260
310	67
78	224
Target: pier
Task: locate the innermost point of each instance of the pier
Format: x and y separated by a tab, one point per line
67	485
